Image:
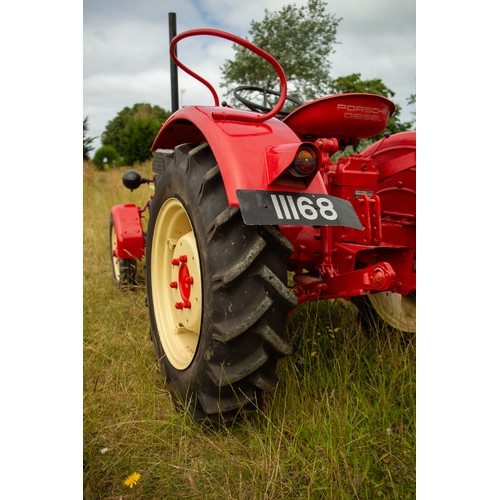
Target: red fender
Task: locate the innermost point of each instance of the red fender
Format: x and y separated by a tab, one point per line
395	159
394	154
242	149
128	229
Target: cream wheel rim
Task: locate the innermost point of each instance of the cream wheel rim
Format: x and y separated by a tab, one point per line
176	284
114	253
399	311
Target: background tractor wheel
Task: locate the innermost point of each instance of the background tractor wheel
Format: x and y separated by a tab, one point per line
124	271
216	290
396	310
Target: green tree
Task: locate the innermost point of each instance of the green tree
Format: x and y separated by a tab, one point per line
412	101
300	38
106	157
137	137
87	141
133	130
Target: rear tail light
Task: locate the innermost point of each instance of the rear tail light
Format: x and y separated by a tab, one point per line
304	164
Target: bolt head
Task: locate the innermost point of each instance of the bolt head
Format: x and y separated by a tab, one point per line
378	276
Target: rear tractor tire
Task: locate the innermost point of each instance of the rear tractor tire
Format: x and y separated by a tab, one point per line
216	290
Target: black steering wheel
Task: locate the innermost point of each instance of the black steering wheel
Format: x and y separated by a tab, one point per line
265	107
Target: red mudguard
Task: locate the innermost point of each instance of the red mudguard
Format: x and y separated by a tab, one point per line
129	233
240	148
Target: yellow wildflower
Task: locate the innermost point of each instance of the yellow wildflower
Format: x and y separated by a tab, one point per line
131	480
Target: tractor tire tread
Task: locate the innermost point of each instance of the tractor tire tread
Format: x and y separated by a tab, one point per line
243	327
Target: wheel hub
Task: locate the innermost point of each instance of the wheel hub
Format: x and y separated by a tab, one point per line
184	283
185	289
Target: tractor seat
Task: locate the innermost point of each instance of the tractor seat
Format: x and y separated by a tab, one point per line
353	116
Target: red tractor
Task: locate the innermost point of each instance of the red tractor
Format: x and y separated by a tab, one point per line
250	217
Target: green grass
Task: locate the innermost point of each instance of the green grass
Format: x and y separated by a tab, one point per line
340	425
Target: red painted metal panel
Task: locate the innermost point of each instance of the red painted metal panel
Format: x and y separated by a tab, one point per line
129	232
239	147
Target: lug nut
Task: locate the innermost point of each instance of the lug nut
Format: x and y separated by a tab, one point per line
183	258
175	262
187	304
173	284
179	305
189	280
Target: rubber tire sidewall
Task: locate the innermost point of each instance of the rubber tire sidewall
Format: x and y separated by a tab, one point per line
173	184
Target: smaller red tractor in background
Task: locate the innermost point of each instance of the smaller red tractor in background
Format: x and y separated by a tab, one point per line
250	217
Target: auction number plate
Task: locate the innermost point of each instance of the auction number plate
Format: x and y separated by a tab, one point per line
298	209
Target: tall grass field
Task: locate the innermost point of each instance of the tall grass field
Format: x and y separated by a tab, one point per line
340	425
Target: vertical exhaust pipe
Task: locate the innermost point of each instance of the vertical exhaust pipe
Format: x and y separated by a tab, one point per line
174	83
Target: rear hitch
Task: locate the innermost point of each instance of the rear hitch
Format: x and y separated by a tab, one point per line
370	279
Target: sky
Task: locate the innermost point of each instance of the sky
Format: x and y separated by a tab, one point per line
126	61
